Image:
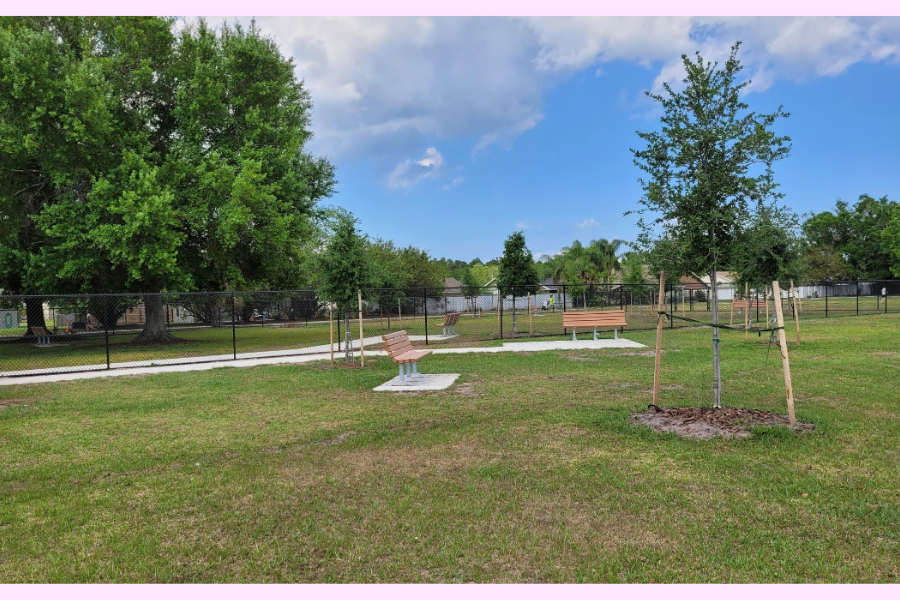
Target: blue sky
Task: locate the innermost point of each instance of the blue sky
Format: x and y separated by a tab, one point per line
450	134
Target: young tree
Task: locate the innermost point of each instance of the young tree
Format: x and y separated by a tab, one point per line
518	275
344	270
708	166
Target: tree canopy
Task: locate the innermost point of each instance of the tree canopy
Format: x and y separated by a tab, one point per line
849	243
141	159
518	275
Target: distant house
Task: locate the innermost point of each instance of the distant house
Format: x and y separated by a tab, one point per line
691	283
452	287
723	278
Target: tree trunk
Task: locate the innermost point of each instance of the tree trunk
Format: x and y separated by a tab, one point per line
347	337
155	330
34	315
717	370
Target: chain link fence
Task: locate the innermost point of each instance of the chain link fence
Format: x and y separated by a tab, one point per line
67	333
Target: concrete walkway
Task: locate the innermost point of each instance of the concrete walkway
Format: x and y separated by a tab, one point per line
253	359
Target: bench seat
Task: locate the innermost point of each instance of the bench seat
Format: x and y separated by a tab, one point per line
401	351
595	319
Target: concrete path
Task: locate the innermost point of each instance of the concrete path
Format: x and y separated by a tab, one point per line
252	359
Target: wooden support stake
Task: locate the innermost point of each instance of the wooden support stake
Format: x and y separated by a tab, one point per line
747	312
731	316
794	309
659	328
785	363
530	329
331	334
362	357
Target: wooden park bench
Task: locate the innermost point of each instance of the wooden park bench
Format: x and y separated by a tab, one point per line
449	324
595	319
746	304
401	352
42	335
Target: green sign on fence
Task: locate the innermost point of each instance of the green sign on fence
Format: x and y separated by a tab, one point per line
9	319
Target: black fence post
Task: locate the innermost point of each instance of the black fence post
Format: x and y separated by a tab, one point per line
500	299
565	331
233	327
105	327
671	305
857	298
826	301
425	301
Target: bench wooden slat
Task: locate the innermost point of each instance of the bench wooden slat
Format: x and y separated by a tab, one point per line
605	318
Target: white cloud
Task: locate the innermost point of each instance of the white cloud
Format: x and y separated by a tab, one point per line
457	181
408	173
588	223
384	87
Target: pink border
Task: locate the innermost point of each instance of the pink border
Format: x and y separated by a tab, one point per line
465	7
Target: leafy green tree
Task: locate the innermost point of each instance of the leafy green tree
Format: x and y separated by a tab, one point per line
387	275
707	167
769	249
344	271
633	267
151	161
855	234
518	275
890	239
470	288
419	270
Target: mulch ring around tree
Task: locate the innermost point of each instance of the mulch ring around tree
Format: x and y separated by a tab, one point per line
705	423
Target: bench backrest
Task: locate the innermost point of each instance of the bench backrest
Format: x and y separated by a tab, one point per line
746	303
396	343
596	318
454	317
39	331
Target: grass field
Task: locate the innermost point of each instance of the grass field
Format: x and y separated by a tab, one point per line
77	350
526	470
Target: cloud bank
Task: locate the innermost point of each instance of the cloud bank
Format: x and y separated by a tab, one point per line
385	87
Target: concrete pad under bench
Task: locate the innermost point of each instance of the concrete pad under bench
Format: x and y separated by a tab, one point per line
430	382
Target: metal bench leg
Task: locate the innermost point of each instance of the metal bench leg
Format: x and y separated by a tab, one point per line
616	332
573	335
595	333
415	369
402	374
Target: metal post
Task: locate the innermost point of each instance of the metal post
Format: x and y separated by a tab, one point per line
671	305
233	327
500	298
857	297
106	327
826	301
425	300
565	331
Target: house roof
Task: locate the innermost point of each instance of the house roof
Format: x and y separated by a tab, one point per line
691	283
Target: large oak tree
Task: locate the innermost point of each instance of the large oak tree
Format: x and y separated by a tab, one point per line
140	158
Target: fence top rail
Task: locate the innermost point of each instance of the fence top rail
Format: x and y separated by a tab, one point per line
163	294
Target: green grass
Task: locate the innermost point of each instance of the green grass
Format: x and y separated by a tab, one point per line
526	470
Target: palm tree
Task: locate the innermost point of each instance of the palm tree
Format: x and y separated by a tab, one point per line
604	254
